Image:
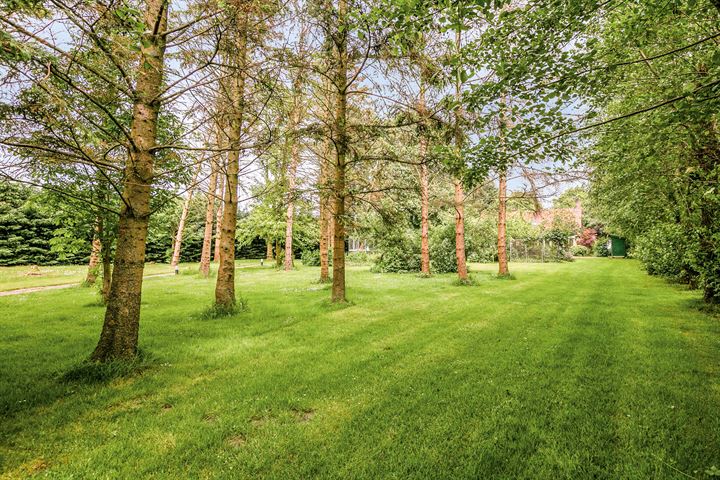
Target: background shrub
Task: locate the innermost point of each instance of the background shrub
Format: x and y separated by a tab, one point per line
600	249
310	258
667	250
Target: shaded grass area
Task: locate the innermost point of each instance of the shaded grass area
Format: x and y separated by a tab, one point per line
582	370
12	278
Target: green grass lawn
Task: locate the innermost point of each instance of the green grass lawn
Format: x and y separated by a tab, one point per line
584	370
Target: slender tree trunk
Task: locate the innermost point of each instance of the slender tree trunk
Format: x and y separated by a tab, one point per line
278	254
460	231
106	274
92	271
424	214
502	199
424	188
294	153
119	337
209	215
502	221
219	216
459	199
341	148
183	218
324	214
290	213
225	286
268	249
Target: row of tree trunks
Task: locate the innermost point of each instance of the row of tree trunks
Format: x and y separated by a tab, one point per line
225	286
119	337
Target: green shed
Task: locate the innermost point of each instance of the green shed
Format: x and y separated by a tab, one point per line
617	246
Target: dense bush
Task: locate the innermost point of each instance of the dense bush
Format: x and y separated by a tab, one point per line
398	251
310	258
600	249
359	258
667	250
580	251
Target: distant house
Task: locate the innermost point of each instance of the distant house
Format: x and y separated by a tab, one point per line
546	217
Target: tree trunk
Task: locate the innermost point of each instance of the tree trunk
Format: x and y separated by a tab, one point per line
219	215
424	188
341	148
324	214
183	218
460	231
459	199
424	212
268	249
502	222
294	153
225	286
106	274
119	337
92	271
209	215
503	269
290	213
278	254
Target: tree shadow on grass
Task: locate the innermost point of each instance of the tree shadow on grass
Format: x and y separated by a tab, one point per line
89	372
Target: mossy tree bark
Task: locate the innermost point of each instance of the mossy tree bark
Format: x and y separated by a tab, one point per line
119	337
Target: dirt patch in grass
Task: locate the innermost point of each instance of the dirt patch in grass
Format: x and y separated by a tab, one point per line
236	441
303	414
258	420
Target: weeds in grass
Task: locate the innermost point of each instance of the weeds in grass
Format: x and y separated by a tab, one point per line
465	282
220	311
90	372
504	276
